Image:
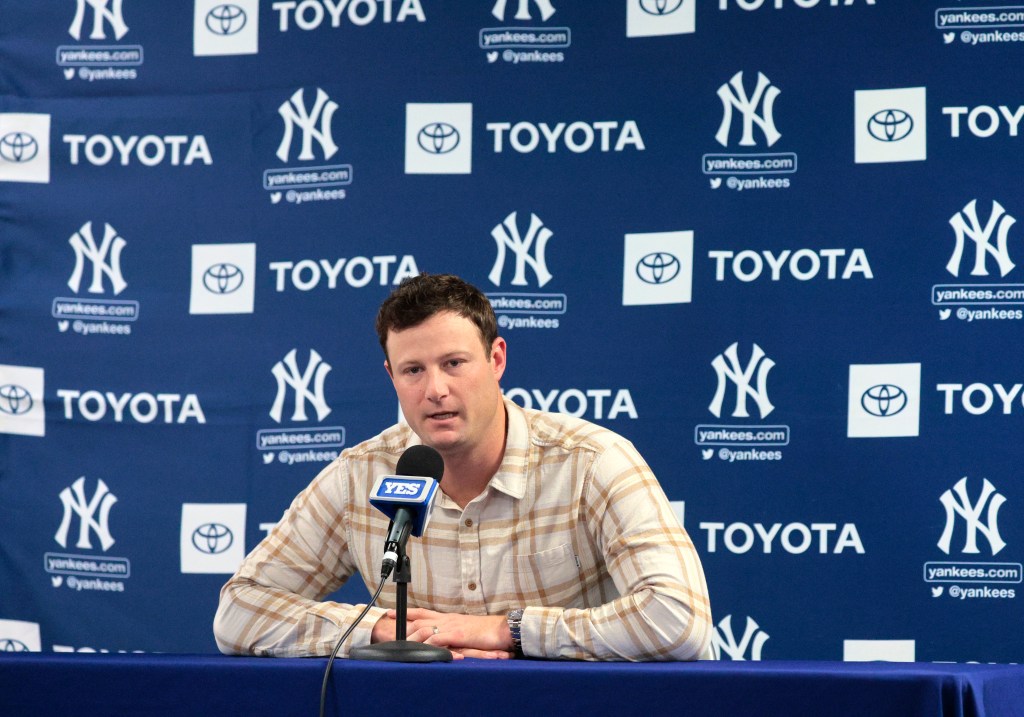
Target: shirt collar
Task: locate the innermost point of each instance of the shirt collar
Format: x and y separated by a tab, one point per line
511	476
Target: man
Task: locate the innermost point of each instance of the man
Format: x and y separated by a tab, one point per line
551	536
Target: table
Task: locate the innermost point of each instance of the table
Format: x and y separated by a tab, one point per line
39	685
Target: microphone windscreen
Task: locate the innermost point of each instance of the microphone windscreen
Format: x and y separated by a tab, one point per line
422	461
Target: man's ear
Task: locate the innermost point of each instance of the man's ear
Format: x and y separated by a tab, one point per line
499	356
387	367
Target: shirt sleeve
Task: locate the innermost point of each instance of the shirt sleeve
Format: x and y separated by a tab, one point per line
663	611
271	605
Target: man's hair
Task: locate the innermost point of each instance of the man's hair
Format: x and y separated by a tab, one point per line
418	298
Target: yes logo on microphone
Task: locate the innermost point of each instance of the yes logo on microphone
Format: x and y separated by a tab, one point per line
399	494
402	489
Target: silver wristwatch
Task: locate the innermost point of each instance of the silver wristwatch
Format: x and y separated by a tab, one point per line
515	625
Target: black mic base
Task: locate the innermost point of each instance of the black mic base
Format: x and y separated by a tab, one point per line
401	651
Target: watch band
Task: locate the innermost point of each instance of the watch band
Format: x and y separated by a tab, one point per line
515	624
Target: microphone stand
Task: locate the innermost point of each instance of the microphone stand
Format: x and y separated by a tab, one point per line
400	649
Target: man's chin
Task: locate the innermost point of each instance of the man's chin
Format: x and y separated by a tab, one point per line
442	442
439	438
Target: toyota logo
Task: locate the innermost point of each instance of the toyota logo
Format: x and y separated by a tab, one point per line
9	644
223	278
225	19
15	400
660	7
438	138
658	268
212	538
18	147
884	400
890	125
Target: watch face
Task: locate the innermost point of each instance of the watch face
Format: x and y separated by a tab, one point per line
515	618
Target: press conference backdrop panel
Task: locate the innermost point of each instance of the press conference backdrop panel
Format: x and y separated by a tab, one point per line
772	242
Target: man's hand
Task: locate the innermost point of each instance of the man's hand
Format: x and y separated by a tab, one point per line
482	637
385	629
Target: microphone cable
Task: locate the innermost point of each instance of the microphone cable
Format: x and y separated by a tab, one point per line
334	653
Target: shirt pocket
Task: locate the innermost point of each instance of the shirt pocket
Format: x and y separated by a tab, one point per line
550	578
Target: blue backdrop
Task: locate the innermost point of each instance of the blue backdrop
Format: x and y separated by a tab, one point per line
773	242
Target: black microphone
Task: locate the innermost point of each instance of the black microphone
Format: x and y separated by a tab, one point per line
407	498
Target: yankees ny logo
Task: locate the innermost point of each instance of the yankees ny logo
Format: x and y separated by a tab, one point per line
967	226
100	13
75	503
956	502
294	114
723	640
733	95
105	258
523	11
741	377
507	236
287	374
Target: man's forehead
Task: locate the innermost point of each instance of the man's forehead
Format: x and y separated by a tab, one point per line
443	332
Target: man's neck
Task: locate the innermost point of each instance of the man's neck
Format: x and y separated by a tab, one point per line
466	475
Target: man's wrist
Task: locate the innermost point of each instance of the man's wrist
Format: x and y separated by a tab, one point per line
383	630
515	624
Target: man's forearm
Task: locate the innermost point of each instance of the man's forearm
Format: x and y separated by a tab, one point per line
257	620
644	626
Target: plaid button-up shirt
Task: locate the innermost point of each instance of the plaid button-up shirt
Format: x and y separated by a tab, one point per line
573	527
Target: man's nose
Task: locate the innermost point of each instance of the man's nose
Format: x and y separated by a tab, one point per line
437	384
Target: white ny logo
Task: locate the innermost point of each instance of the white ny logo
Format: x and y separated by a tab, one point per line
75	503
294	113
981	236
99	14
287	374
741	377
507	235
523	11
753	640
733	95
971	513
105	258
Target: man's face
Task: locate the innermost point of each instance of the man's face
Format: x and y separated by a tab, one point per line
447	383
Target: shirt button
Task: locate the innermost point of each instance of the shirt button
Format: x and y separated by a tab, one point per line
469	522
471	586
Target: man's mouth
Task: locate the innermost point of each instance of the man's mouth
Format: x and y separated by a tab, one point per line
443	415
